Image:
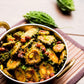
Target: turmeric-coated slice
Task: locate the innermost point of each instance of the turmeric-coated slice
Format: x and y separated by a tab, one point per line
52	56
58	47
7	73
33	56
15	48
31	75
43	32
47	39
18	34
12	64
31	32
20	75
45	69
62	56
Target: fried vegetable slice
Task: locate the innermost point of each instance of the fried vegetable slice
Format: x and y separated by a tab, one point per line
62	56
58	47
1	67
33	56
10	38
12	64
43	32
9	43
7	73
47	39
31	32
4	56
15	48
31	75
20	75
27	44
52	56
18	34
45	69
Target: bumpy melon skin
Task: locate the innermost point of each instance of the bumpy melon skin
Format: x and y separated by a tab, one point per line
58	47
11	64
45	69
66	5
43	32
18	34
31	32
46	39
20	75
32	75
15	48
52	57
62	56
35	58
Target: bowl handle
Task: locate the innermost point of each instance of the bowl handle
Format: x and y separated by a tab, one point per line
67	67
5	25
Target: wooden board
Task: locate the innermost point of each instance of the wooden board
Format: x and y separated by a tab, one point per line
74	74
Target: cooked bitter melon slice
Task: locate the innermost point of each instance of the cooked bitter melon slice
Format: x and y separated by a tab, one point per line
62	56
12	64
45	69
58	47
43	32
52	56
33	56
20	75
31	32
15	48
47	39
18	34
31	75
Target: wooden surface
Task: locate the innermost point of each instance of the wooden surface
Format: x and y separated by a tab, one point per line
72	25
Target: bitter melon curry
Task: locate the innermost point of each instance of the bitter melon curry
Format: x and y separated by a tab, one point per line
32	56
